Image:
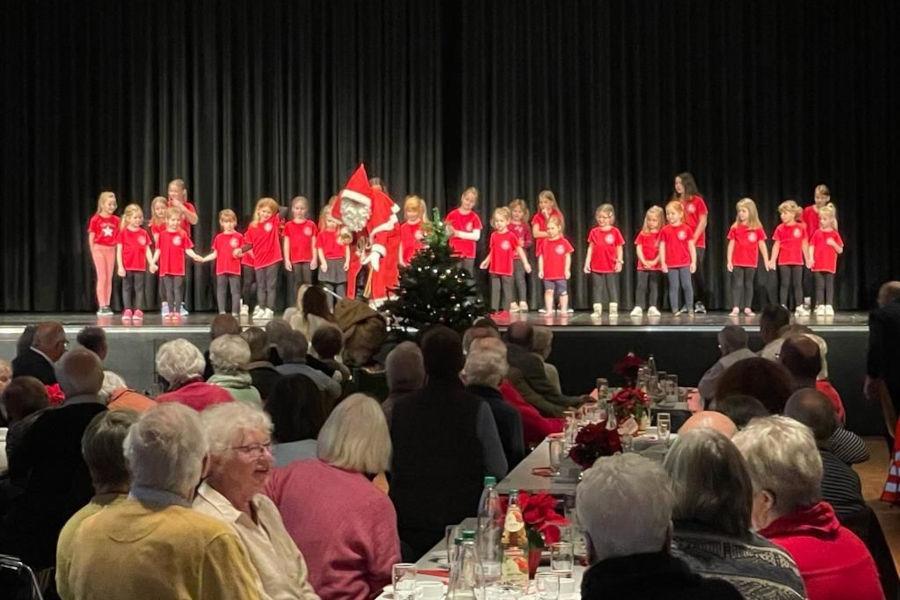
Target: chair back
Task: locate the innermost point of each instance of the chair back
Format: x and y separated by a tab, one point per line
18	580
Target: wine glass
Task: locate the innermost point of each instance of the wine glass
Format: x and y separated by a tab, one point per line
664	426
404	580
555	446
547	585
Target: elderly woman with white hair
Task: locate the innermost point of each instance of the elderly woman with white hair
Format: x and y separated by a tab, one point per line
624	504
229	355
711	514
483	372
240	462
180	365
786	471
153	545
345	527
118	396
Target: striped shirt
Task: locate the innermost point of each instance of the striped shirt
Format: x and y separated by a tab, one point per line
840	486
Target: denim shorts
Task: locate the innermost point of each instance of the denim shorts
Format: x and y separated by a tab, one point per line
559	286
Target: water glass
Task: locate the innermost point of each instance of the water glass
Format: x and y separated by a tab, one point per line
672	388
404	580
562	557
556	446
451	532
547	585
602	388
664	426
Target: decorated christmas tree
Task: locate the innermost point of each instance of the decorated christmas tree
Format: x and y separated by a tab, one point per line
434	288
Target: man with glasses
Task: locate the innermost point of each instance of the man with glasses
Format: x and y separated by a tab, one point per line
49	345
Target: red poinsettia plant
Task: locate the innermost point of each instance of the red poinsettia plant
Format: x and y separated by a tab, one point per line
630	402
542	522
593	441
627	368
55	394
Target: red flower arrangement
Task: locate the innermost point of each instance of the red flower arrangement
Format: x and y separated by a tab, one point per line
627	368
592	442
630	402
55	394
542	522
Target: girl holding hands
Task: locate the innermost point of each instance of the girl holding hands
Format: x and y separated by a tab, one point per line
604	260
678	257
504	248
746	241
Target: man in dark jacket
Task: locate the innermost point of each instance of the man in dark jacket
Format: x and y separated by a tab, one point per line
262	371
884	345
48	346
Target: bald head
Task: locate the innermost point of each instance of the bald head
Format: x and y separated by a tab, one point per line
889	292
709	419
79	372
801	356
50	338
813	408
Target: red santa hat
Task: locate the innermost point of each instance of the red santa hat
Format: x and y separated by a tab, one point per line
357	188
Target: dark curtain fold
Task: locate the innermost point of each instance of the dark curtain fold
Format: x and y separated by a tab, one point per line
598	101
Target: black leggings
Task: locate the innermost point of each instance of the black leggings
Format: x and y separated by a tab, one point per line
248	283
790	276
498	283
267	285
680	277
824	288
521	282
173	291
697	279
224	283
469	265
742	287
606	287
643	279
133	285
300	274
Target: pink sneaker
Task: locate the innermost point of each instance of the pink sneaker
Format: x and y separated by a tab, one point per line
138	315
126	315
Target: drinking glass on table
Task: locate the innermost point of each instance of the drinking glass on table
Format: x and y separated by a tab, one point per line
672	388
664	426
404	580
557	448
546	585
562	557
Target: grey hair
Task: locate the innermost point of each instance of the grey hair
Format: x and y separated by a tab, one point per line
178	361
101	446
111	382
782	458
624	504
293	347
165	449
823	353
710	481
542	342
486	363
229	354
79	371
355	436
224	424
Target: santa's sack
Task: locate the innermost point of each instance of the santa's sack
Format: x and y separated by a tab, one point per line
364	328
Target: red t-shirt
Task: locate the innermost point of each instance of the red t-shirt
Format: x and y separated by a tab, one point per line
156	229
185	224
790	243
503	249
824	256
811	220
172	245
540	219
411	236
677	241
746	245
225	244
523	232
247	259
327	241
469	222
649	243
300	236
603	255
105	229
554	253
265	237
134	249
693	210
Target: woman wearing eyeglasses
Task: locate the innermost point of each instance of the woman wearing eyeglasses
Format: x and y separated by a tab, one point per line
240	462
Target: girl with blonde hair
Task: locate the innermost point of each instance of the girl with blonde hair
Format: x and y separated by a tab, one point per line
746	241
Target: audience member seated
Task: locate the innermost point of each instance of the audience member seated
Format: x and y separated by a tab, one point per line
709	419
37	360
94	339
786	470
240	463
316	305
294	348
24	400
344	526
485	368
526	373
101	447
117	396
763	379
294	314
180	365
222	324
741	409
840	484
624	504
297	413
801	356
404	371
445	441
276	330
711	517
772	321
56	480
326	345
152	544
26	339
261	369
5	374
229	355
542	345
884	346
733	346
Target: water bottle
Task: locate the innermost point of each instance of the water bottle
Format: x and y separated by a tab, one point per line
651	364
490	530
465	578
514	568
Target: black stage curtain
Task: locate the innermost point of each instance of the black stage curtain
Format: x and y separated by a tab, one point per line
596	100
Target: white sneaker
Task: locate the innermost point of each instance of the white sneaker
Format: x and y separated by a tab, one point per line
820	310
653	312
183	311
245	310
570	311
513	308
598	310
523	306
801	311
637	311
165	309
542	311
829	310
268	314
613	309
258	312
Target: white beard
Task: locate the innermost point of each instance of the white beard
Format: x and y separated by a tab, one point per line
354	214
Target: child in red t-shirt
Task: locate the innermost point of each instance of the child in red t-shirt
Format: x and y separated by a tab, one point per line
103	229
696	216
227	251
555	267
821	197
604	260
824	247
411	230
646	244
300	232
334	257
158	208
746	241
788	254
263	239
518	224
133	254
171	248
547	207
504	248
678	257
464	227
